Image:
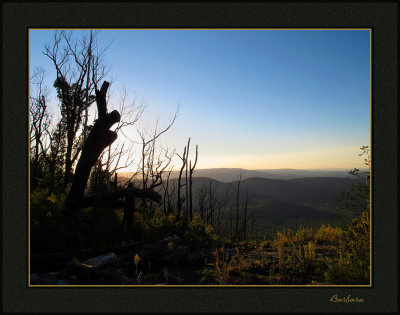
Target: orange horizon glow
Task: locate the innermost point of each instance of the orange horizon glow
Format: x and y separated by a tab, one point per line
338	158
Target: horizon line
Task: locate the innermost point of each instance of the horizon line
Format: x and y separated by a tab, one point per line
273	169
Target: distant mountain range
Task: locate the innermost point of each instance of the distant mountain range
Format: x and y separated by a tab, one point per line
312	191
232	174
277	196
275	203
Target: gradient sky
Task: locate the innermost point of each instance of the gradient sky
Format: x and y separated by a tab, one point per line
254	99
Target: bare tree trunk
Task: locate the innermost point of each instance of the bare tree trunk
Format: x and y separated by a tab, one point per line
98	139
87	86
68	163
245	217
190	192
186	180
179	201
231	225
167	196
211	207
115	181
129	207
191	183
237	208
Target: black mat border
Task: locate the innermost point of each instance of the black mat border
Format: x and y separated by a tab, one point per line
17	17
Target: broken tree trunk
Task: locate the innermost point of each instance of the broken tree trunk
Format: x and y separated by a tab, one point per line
98	139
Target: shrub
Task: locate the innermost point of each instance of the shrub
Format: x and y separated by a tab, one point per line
304	235
328	234
48	230
198	232
352	266
303	256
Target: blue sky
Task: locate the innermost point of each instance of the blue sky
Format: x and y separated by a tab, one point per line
256	99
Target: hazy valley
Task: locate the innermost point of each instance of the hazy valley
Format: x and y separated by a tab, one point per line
276	199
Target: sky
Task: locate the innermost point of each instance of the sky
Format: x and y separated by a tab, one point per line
253	99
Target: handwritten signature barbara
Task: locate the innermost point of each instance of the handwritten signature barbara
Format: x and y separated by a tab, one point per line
346	299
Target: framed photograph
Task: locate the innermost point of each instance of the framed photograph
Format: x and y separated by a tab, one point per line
176	159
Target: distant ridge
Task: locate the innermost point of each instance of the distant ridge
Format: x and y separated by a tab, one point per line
228	175
275	197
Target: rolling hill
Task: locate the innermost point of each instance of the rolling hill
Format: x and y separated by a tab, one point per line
228	175
274	201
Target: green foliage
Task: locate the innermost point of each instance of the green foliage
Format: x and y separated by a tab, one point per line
328	234
303	256
354	201
48	229
298	262
304	235
352	265
152	227
96	227
227	269
198	232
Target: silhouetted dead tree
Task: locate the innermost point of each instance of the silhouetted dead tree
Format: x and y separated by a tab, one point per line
244	223
151	165
237	207
191	182
222	204
168	194
189	170
117	156
39	124
211	206
98	139
79	68
180	199
154	159
201	201
186	180
55	151
208	203
107	166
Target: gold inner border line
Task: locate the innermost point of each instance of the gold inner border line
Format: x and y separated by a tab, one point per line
203	286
